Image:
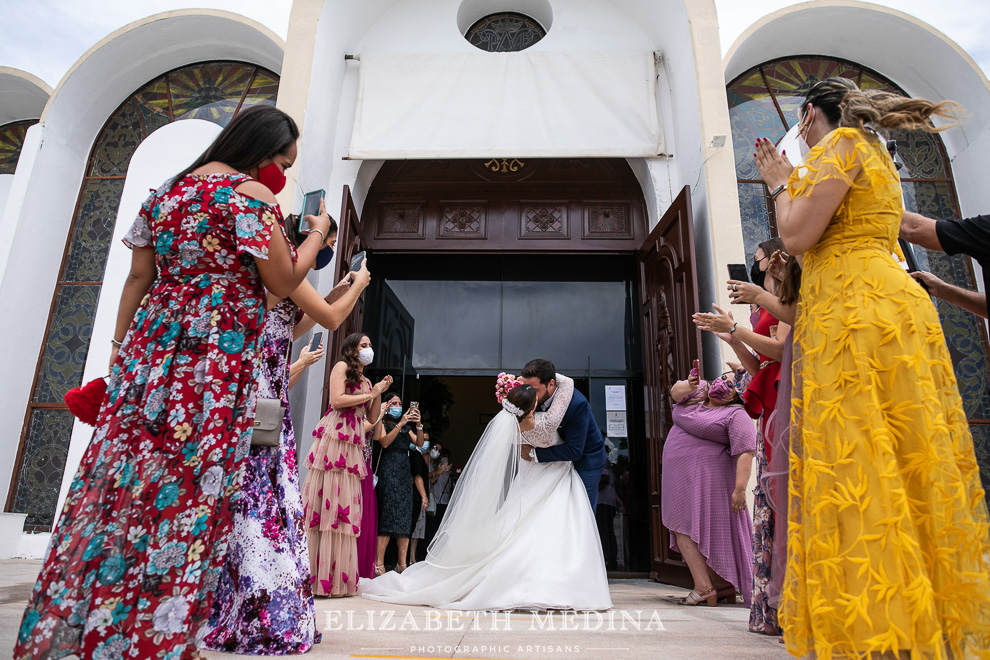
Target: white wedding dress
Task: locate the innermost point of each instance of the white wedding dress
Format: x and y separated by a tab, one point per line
517	534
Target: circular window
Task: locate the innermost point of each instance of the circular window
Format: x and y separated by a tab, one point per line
505	32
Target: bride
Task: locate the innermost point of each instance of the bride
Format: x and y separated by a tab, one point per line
517	534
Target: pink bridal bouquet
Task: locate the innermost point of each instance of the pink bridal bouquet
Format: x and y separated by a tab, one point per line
503	384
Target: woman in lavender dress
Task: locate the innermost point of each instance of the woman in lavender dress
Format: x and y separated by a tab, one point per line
264	601
707	460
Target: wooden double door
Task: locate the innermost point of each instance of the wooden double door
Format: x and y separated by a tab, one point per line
447	206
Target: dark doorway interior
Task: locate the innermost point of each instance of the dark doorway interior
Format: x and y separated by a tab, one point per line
445	325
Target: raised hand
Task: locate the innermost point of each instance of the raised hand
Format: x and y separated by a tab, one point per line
744	292
778	261
308	357
718	322
774	167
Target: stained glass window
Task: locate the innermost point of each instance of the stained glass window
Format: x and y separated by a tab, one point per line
11	141
505	32
763	102
213	91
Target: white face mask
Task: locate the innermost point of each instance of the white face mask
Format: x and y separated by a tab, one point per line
795	145
366	355
435	453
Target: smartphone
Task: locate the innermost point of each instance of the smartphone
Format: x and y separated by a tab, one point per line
317	338
738	272
414	405
311	206
694	368
357	259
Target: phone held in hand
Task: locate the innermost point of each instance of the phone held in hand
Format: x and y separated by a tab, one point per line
738	272
694	369
357	259
315	344
311	206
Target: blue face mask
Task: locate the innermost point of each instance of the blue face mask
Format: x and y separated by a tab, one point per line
421	450
395	411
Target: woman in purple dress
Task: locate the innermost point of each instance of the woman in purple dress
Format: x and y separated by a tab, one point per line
264	601
707	460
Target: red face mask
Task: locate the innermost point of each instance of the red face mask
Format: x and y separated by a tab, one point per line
272	177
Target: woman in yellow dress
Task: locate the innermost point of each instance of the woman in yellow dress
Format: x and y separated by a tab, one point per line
888	547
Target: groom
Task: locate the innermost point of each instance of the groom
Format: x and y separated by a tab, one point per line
583	444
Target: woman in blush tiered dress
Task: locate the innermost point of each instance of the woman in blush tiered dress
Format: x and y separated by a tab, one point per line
337	464
707	460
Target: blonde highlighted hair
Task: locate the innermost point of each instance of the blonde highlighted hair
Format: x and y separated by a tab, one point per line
847	105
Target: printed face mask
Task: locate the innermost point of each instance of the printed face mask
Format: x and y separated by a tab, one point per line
272	177
719	390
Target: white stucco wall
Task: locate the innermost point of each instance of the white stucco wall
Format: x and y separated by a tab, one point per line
319	86
51	168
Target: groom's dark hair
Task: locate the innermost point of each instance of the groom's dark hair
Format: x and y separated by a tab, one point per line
540	368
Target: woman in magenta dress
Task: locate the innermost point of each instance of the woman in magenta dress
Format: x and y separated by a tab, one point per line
135	557
707	460
367	543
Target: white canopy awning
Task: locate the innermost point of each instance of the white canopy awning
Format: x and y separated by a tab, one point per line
524	104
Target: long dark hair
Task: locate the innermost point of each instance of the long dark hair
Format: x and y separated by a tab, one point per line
790	288
845	104
253	135
349	356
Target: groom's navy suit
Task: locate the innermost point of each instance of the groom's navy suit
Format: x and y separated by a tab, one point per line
583	445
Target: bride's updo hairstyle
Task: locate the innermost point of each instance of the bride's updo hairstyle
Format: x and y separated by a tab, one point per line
845	104
523	398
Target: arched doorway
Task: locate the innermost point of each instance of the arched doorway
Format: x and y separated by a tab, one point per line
480	266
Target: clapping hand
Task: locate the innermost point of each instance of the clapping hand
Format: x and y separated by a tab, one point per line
720	322
381	386
778	262
774	167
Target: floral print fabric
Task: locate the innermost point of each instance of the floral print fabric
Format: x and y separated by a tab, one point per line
264	603
135	557
332	496
887	524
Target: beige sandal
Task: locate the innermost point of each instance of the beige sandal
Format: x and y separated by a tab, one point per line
694	598
379	570
399	568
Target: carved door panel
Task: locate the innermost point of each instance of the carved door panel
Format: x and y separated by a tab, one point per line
668	298
350	241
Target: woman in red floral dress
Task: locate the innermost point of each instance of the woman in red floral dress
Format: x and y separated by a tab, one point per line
135	556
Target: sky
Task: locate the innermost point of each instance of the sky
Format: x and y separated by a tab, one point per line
46	37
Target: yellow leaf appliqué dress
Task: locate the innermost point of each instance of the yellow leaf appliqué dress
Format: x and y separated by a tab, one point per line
888	545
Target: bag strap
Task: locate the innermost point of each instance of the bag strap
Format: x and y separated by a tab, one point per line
283	393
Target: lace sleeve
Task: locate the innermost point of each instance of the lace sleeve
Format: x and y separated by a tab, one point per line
543	433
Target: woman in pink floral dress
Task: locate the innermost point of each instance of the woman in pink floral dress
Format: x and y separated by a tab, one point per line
135	557
336	463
